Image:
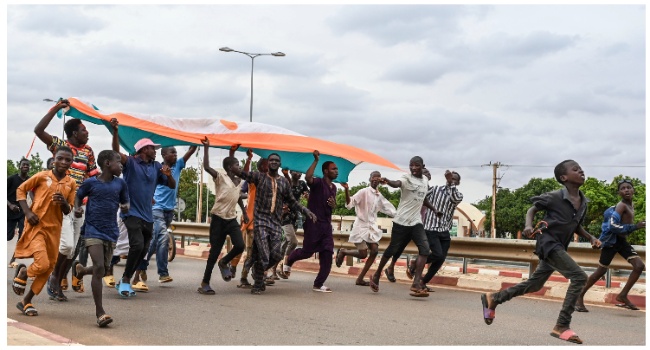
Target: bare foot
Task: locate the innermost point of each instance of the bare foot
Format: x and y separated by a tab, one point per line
490	299
625	302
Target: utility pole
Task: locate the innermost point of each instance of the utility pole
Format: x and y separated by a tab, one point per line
495	166
199	209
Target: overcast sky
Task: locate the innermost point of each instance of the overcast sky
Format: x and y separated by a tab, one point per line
461	86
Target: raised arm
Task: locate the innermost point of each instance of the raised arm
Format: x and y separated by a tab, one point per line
116	140
39	129
249	156
189	153
391	183
206	157
233	148
309	175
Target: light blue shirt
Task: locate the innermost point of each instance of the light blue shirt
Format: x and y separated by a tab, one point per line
164	196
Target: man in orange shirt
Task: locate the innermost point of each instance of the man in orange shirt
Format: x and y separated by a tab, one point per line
54	192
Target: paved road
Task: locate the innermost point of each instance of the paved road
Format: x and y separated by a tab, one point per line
289	313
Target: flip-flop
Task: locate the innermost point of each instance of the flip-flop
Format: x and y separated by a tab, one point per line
488	314
568	335
581	309
64	284
61	297
339	259
207	290
420	293
18	284
362	283
390	276
27	310
244	284
374	286
429	289
104	320
629	306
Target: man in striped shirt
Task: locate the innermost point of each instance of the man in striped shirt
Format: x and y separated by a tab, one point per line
437	225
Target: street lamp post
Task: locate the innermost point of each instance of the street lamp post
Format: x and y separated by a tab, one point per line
252	56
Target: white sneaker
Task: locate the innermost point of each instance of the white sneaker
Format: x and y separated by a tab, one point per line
322	289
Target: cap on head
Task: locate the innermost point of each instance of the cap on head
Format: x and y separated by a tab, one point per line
144	143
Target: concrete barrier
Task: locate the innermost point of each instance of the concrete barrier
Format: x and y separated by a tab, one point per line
463	247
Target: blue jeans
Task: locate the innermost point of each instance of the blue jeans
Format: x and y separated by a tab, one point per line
162	219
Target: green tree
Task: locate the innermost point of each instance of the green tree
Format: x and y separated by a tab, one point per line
188	191
35	165
511	206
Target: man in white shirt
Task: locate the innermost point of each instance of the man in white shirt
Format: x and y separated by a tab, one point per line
407	224
365	232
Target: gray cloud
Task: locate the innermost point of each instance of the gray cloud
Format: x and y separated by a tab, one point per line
55	20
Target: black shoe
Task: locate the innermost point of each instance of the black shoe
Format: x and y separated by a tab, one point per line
225	270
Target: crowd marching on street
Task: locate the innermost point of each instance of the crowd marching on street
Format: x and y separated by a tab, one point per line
113	204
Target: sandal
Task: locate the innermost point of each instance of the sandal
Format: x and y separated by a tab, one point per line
225	271
109	281
488	314
207	290
19	285
374	285
567	335
77	283
339	258
362	283
27	310
64	284
390	275
140	287
419	293
124	289
104	320
244	284
581	309
285	272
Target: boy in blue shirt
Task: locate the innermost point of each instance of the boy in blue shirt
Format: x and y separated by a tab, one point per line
617	226
106	192
565	210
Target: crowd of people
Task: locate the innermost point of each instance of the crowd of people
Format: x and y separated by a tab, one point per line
123	204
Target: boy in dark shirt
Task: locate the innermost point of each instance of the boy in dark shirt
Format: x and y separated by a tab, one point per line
15	215
106	192
565	211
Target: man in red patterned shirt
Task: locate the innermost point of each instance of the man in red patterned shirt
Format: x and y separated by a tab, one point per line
83	166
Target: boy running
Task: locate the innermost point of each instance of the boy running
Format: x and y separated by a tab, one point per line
613	238
407	224
565	210
105	192
53	194
365	232
223	217
15	215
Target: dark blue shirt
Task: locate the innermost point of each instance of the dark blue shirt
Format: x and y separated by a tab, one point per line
142	178
104	199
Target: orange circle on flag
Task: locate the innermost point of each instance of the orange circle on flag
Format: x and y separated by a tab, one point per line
228	124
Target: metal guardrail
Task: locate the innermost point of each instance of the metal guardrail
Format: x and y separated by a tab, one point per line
462	247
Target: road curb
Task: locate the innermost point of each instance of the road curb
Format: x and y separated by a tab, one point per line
19	333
